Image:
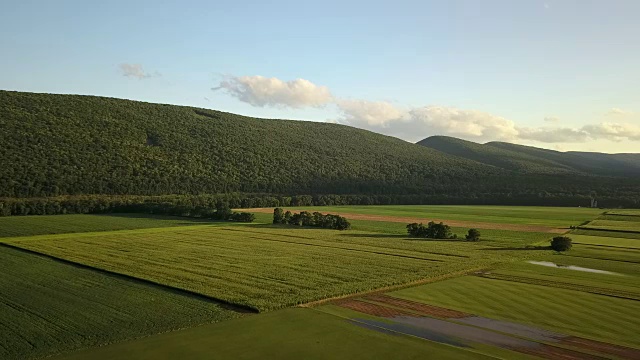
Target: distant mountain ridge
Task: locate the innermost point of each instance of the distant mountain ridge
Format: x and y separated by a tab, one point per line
532	160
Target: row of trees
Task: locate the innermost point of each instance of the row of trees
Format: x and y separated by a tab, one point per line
439	231
305	218
192	204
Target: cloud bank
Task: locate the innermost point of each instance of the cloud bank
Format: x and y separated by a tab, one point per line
135	71
416	123
262	91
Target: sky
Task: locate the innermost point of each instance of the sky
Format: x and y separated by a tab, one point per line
558	74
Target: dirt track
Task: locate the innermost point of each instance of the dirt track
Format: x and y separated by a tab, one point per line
452	223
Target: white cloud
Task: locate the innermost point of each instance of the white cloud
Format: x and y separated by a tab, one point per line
619	112
262	91
417	123
553	135
135	71
552	119
614	131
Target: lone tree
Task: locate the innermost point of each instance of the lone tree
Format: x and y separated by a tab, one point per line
561	243
473	235
278	216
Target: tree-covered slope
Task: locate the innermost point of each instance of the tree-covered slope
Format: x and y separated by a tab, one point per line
532	160
65	144
81	145
496	156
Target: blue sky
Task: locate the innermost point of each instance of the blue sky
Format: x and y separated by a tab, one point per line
555	74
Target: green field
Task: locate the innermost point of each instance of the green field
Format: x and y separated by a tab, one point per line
615	225
47	307
57	224
267	267
285	334
604	233
606	241
573	312
530	215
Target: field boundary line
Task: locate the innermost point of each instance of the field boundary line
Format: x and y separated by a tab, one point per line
397	287
176	290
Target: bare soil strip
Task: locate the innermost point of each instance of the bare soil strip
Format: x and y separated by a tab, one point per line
418	307
452	223
372	309
601	347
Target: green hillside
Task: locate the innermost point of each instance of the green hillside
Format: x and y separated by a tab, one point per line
532	160
503	158
625	165
58	145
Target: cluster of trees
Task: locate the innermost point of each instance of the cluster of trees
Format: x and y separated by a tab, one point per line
64	145
439	231
561	243
305	218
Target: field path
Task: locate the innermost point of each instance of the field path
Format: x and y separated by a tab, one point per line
452	223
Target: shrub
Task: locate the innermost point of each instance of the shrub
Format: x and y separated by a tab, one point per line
473	235
561	243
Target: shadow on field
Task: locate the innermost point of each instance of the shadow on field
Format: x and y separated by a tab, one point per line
526	248
156	217
390	236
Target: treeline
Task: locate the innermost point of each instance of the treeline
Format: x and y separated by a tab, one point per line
305	218
184	205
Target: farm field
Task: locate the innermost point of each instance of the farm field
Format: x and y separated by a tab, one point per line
573	312
55	307
64	224
606	241
615	225
523	215
267	267
296	333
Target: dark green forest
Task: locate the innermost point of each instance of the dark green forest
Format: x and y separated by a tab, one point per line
69	148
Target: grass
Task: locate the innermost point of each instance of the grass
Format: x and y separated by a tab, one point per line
605	241
604	233
615	225
62	224
286	334
568	311
47	307
530	215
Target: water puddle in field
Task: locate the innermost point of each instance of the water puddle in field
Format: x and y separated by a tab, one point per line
571	267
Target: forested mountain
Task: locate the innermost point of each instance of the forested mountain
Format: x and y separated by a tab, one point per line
532	160
55	145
